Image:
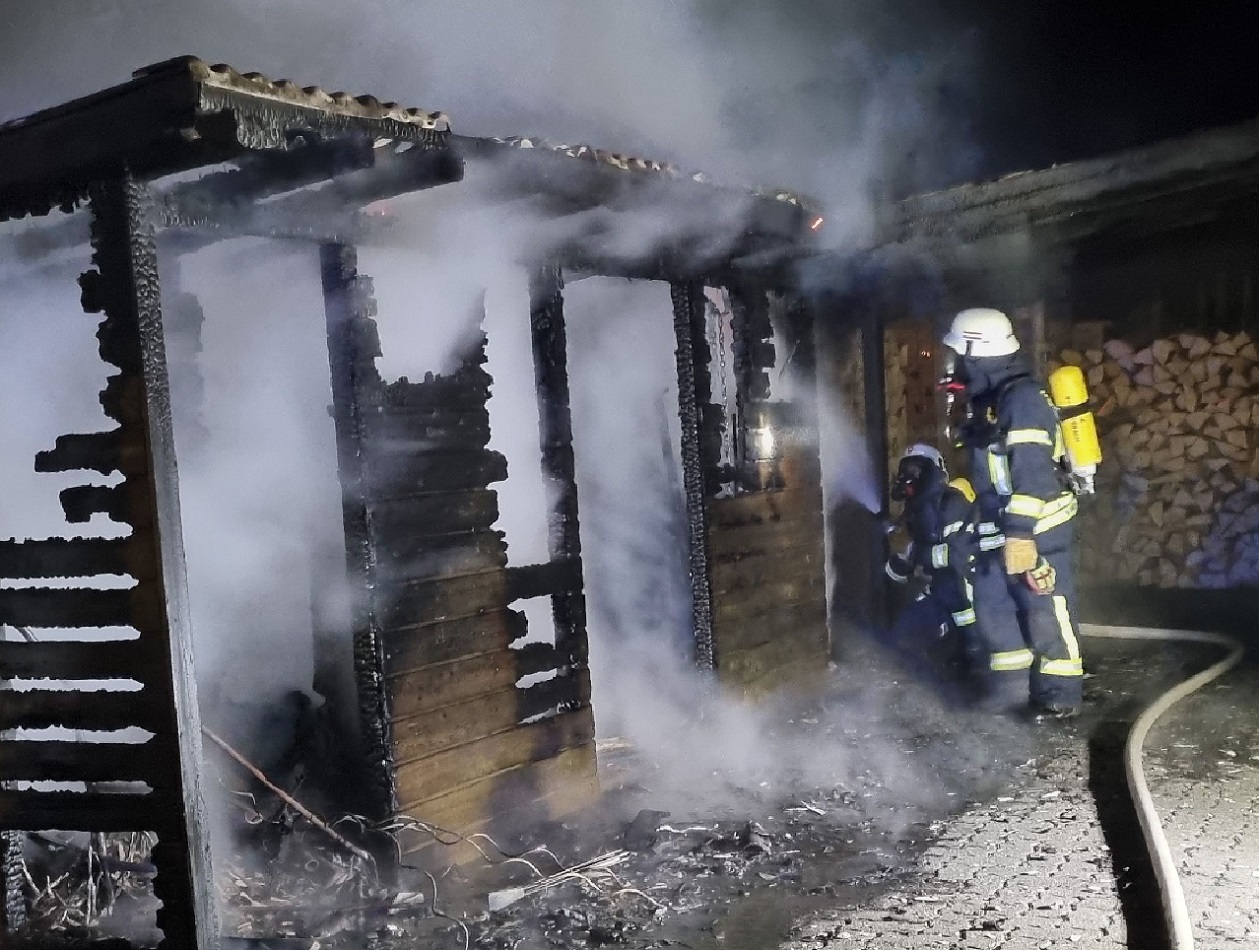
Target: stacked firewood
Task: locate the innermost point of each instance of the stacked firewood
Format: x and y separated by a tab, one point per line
1178	488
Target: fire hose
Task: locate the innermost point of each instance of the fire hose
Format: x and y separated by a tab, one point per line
1172	896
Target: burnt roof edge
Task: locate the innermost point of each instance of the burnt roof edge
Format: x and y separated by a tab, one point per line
1017	198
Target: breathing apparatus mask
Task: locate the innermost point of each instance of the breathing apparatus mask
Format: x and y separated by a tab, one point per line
916	475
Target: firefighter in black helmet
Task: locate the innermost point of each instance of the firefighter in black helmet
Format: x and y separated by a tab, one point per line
938	515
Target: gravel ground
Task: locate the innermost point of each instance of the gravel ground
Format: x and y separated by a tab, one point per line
1204	774
1035	867
1028	841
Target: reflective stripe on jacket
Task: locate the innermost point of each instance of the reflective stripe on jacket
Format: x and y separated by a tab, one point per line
1018	475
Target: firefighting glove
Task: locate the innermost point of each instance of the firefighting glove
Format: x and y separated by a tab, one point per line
898	568
1020	555
1041	578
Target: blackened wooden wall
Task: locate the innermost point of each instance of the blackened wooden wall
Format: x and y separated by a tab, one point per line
452	740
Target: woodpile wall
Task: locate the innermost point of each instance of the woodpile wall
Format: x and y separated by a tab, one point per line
1177	500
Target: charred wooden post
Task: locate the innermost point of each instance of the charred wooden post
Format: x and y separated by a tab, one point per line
550	370
124	287
699	475
357	397
12	882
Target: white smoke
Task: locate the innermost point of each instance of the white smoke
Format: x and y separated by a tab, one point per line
843	100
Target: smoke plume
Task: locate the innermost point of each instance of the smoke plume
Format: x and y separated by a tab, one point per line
823	98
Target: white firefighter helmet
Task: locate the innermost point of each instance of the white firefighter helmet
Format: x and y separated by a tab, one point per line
981	331
930	452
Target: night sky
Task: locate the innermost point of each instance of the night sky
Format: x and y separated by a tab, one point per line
1072	80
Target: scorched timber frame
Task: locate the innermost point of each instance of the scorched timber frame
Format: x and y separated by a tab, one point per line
302	165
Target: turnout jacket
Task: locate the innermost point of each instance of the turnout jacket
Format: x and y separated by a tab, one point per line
1017	455
941	526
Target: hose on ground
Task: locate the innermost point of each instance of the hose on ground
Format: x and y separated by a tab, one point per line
1175	910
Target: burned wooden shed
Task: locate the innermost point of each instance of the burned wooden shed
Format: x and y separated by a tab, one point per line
186	154
1140	267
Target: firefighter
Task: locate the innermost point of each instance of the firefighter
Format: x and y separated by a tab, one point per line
939	517
1024	580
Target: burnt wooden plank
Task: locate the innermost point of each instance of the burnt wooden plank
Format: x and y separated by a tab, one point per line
791	621
445	556
540	658
752	571
408	422
569	690
417	602
413	648
401	544
454	768
455	724
102	452
52	761
562	783
478	716
124	503
767	537
436	472
417	433
62	557
761	507
771	597
137	659
544	580
759	598
466	389
757	662
420	690
81	811
406	520
65	607
98	709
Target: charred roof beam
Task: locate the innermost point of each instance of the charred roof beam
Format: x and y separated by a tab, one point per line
180	115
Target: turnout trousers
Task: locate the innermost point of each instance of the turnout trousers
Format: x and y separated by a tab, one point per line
1032	639
916	630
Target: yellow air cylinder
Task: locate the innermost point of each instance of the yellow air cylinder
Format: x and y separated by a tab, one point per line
1070	394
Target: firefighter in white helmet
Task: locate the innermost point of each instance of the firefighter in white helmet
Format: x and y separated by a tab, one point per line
939	517
1024	576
